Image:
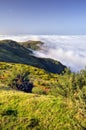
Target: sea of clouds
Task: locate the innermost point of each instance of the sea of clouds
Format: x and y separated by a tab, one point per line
69	50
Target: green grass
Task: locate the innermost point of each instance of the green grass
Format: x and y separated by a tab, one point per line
21	111
57	101
41	79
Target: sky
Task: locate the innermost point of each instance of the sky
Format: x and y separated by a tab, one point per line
43	17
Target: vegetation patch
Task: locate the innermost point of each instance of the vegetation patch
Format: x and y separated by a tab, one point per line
9	112
54	102
34	45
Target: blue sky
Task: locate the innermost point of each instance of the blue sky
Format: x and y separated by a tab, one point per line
61	17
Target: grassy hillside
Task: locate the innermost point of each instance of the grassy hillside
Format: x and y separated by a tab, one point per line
56	102
11	51
20	111
34	45
33	98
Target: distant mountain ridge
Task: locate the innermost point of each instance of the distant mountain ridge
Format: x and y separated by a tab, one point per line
34	45
12	51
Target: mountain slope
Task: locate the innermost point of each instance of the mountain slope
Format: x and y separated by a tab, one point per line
34	45
20	111
56	101
11	51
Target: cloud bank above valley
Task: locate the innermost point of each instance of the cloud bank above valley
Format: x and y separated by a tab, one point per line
69	50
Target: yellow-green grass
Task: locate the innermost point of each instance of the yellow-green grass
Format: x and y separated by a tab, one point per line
61	107
21	111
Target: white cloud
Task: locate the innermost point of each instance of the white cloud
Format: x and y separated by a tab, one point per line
70	50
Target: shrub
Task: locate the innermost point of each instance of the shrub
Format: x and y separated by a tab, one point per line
22	83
